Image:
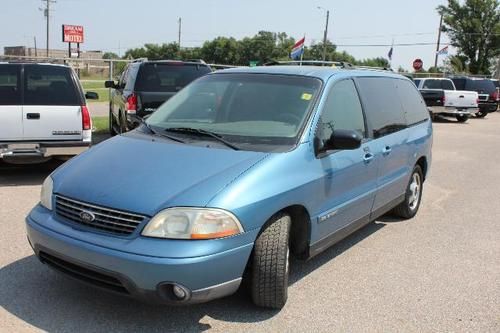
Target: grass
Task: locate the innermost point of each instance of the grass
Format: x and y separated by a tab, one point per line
98	87
100	125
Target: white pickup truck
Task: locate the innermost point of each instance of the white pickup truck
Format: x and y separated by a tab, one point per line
43	113
442	98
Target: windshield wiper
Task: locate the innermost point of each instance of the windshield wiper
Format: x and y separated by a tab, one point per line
152	131
198	131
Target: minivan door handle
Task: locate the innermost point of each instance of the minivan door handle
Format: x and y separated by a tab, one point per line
368	157
32	116
387	150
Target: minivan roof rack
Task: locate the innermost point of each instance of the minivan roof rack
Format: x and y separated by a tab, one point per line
201	61
339	64
375	68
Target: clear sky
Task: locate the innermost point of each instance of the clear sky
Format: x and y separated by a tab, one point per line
113	25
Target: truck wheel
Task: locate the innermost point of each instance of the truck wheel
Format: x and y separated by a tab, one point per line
462	118
270	263
409	207
481	114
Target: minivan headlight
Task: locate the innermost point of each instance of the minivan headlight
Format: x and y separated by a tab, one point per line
192	223
46	193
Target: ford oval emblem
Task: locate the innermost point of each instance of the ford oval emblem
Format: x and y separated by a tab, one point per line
87	217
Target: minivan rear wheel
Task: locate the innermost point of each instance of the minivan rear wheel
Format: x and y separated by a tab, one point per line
413	196
270	264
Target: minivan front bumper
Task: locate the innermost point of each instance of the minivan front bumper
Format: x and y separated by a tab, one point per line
143	277
42	149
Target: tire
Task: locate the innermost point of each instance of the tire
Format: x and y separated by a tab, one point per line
409	207
112	131
270	264
462	118
481	114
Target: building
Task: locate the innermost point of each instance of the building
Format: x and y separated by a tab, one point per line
90	61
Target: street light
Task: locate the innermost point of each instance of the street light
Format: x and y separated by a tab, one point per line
326	31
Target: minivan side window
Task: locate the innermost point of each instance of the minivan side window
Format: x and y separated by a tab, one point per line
342	110
49	85
10	92
413	103
382	106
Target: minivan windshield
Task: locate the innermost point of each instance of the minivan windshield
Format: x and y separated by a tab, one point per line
168	77
250	110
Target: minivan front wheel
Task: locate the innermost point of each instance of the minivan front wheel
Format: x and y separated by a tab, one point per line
409	207
270	264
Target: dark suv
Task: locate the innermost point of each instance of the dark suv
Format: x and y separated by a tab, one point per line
488	94
144	86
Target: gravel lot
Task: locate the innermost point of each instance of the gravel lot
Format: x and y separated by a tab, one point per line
437	272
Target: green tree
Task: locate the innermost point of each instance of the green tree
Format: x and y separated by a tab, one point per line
110	55
315	52
221	50
154	51
374	62
474	29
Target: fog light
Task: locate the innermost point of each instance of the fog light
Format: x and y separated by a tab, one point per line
179	292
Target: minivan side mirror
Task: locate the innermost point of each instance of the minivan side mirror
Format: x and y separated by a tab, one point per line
91	95
343	140
110	84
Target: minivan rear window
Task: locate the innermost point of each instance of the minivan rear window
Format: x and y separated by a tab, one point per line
382	107
165	77
10	92
413	103
49	85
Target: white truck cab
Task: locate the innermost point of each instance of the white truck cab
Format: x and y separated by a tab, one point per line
43	113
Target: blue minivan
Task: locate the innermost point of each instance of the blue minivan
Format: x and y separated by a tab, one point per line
237	172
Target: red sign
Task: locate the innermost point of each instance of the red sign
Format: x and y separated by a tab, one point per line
418	64
72	33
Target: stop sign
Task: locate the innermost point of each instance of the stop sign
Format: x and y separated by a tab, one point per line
418	64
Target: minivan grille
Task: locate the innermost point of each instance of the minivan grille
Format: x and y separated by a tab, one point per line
102	218
83	274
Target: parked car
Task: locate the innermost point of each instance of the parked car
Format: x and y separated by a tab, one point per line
488	99
442	98
43	113
144	86
496	82
231	176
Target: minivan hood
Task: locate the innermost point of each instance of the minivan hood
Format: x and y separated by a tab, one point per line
144	174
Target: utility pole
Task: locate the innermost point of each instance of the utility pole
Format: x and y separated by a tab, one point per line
36	51
180	27
46	11
325	36
438	45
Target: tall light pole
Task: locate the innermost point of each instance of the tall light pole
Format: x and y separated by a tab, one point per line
325	36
